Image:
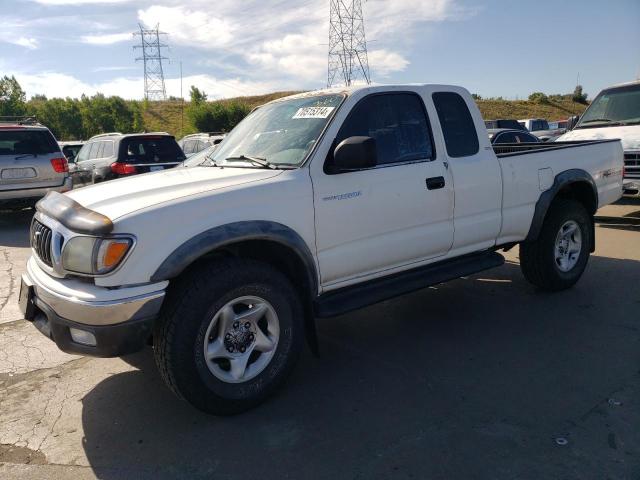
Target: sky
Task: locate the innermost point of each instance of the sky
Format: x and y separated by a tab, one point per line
229	48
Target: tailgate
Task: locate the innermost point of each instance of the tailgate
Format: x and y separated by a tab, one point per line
25	159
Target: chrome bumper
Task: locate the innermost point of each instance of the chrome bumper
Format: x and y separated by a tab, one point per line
87	304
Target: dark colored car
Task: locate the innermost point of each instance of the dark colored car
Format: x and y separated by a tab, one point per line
507	135
504	123
113	155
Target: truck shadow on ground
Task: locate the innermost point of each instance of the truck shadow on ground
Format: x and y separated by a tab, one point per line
472	379
14	227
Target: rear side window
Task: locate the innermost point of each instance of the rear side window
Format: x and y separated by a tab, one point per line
459	131
399	124
150	150
21	142
108	149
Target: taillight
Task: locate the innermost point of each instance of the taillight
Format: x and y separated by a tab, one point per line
60	165
123	168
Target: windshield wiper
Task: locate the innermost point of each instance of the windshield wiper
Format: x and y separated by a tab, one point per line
19	157
601	120
262	162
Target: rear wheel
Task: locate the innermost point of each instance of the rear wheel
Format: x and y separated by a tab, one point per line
230	334
558	258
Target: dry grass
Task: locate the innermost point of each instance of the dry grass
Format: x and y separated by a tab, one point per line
167	116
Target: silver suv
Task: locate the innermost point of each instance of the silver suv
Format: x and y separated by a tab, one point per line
31	163
197	142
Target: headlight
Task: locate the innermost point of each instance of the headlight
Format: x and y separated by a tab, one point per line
94	255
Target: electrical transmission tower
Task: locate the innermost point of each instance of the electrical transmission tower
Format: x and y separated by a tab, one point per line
348	60
152	58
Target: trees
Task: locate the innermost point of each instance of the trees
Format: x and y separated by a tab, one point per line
197	96
538	97
578	96
12	97
79	119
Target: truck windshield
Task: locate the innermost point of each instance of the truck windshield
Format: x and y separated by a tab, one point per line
613	107
283	133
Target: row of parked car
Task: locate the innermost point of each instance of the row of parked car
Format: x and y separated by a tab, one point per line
33	163
528	130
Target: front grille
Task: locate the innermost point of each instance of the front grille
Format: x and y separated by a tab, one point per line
632	165
41	236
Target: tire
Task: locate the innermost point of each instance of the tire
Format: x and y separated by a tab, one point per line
201	313
538	259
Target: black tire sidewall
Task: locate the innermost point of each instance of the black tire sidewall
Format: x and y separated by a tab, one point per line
266	378
562	213
232	279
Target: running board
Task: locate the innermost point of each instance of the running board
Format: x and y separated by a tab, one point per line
361	295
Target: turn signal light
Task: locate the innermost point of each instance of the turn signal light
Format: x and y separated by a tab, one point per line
114	252
60	165
123	168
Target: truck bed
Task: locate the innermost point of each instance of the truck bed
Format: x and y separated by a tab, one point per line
510	149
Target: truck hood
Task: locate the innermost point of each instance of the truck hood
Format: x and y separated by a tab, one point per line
630	135
125	195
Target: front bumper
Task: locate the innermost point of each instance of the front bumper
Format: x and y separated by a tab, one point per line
92	320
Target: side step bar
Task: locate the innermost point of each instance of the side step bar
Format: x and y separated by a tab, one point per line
361	295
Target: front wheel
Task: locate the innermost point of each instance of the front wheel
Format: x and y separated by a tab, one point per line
558	258
229	336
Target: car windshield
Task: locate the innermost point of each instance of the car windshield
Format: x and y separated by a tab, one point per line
283	133
617	106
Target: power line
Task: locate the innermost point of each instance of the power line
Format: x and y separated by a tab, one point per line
348	60
151	46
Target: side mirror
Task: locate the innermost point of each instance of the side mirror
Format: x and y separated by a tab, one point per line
355	153
572	122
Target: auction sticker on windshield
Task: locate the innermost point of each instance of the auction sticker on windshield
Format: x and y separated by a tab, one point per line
314	112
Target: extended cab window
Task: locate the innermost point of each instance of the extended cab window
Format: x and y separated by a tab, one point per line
460	135
399	124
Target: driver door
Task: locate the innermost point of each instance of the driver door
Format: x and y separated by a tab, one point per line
394	215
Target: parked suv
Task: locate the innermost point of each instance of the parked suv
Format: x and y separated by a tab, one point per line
197	142
114	155
31	163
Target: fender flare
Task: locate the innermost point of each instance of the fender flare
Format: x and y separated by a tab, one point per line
232	233
561	180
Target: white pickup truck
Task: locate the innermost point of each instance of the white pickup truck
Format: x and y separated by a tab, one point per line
314	205
615	113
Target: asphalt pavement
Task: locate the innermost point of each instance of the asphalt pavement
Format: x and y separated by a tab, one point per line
480	378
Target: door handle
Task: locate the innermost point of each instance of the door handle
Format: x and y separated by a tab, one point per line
434	183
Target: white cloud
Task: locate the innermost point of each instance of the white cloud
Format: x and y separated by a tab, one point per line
77	2
107	39
383	62
298	55
30	43
55	84
201	27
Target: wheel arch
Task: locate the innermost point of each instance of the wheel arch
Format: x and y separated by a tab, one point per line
269	242
575	184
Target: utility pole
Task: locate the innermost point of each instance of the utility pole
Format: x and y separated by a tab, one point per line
182	104
151	46
348	61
